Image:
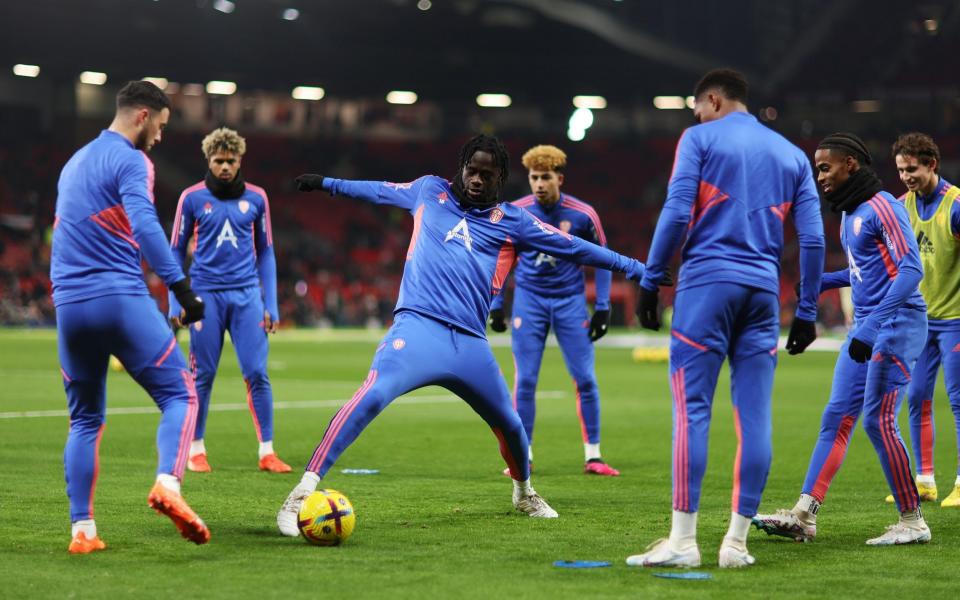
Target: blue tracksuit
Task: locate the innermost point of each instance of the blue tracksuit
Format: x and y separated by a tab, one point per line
105	224
549	293
733	183
457	261
233	259
883	271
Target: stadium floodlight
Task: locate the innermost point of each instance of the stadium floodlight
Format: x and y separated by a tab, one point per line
160	82
224	6
223	88
866	106
93	78
591	102
193	89
401	97
291	14
582	118
424	4
576	135
26	70
690	100
669	102
494	100
306	92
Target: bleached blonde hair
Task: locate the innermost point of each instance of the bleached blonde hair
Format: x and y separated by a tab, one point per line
223	140
544	158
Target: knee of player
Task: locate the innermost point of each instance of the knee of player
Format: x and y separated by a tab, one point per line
586	385
86	422
257	377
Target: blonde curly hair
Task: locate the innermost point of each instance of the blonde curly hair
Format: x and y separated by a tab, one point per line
545	158
223	140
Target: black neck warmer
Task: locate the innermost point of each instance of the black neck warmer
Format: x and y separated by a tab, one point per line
862	185
225	190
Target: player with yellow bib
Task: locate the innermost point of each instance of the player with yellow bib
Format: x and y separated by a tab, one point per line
934	210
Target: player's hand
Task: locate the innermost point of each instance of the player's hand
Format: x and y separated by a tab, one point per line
269	325
647	309
309	182
175	323
192	303
796	289
498	321
667	279
860	351
802	333
599	324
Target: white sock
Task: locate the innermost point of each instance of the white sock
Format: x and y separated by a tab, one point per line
530	452
523	487
683	531
266	448
957	482
911	516
169	481
739	527
310	481
809	505
929	480
87	526
197	447
591	451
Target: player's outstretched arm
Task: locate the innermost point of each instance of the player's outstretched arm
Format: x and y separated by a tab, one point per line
834	280
403	195
267	268
905	253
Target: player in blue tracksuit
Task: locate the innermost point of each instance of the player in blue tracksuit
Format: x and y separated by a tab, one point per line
875	363
549	295
105	223
463	245
733	184
235	272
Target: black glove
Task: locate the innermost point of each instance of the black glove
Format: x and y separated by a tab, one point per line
498	321
647	309
309	182
667	279
599	324
802	334
796	289
192	303
860	351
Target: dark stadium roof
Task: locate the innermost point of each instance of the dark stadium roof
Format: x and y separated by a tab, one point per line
625	50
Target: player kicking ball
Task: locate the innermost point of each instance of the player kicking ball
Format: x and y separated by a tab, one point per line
105	222
874	366
235	272
463	245
549	295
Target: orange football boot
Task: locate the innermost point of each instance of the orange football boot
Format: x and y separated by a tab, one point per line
198	464
273	464
169	503
81	544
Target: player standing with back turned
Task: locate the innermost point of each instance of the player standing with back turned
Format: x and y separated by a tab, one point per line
105	221
734	181
549	294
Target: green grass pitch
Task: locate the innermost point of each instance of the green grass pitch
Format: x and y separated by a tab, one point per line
437	521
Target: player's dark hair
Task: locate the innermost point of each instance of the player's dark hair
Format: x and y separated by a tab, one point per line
137	94
918	145
847	144
490	144
732	84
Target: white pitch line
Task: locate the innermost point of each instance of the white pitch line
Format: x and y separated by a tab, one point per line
238	406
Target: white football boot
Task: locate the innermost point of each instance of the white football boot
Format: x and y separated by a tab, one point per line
734	555
531	503
290	510
904	532
661	554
